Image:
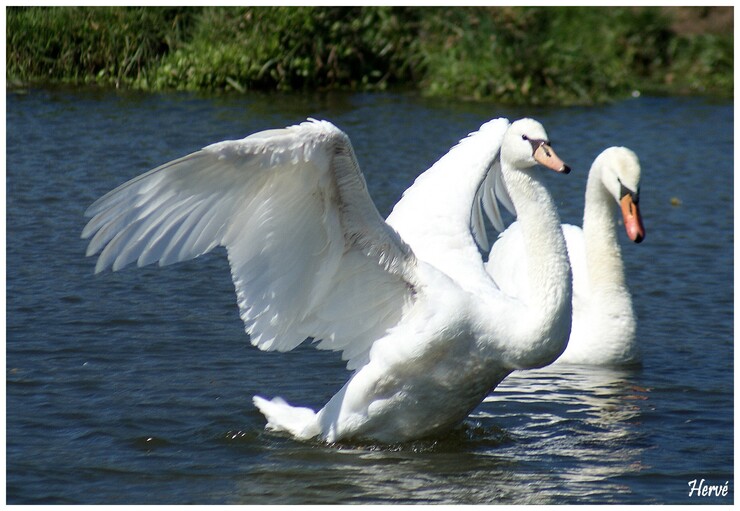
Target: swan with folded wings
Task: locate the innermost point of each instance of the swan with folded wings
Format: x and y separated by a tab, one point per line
604	324
425	330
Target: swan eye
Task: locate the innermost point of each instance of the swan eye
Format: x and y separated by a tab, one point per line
525	137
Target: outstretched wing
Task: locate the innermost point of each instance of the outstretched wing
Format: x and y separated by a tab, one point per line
444	205
494	191
310	255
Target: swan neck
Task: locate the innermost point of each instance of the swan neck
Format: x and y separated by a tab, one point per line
603	255
548	311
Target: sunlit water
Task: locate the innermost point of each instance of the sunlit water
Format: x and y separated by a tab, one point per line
136	386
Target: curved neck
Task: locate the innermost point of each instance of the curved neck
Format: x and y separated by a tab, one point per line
547	258
603	255
548	311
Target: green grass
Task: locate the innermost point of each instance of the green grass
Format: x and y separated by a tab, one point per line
533	55
274	48
108	46
522	55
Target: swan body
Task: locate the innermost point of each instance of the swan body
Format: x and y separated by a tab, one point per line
425	330
603	330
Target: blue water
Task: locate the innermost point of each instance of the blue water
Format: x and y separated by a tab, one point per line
135	387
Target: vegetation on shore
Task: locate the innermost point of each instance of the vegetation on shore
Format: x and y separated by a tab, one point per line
515	55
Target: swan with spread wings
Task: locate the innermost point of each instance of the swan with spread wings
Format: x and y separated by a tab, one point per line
424	328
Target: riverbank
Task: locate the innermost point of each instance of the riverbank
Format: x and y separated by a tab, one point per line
512	55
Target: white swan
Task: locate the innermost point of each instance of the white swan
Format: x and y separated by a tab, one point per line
408	302
603	318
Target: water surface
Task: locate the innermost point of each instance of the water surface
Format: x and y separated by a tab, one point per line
135	387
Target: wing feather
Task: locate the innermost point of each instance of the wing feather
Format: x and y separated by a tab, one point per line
310	255
491	193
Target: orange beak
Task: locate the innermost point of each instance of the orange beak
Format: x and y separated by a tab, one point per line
632	218
546	157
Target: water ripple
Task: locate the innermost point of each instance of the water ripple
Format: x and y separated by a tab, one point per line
135	387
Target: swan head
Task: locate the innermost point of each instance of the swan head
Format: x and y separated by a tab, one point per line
620	175
526	143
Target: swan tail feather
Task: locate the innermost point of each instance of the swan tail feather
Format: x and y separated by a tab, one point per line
300	422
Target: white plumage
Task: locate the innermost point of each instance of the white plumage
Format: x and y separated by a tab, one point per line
604	324
408	302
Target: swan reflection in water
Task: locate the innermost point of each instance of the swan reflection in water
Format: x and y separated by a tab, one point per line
546	436
589	418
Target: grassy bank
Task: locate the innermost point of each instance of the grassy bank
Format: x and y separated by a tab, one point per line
535	55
